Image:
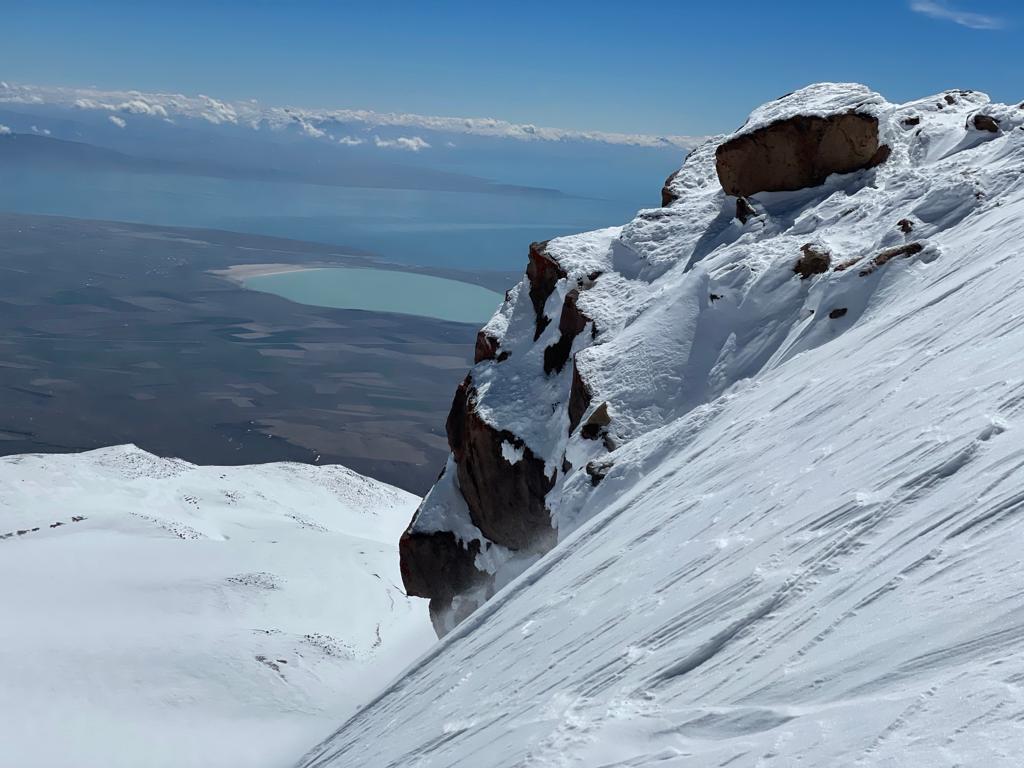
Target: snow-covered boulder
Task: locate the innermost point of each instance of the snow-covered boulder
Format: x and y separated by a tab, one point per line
802	139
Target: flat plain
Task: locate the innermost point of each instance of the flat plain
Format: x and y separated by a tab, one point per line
117	333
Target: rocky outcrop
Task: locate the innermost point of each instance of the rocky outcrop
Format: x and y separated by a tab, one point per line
598	470
983	122
900	251
579	399
598	420
487	348
543	273
798	152
668	195
503	483
570	325
814	261
437	565
744	210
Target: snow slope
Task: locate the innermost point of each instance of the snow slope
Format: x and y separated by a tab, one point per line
156	613
807	546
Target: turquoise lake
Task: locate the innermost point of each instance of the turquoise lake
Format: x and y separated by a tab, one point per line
379	290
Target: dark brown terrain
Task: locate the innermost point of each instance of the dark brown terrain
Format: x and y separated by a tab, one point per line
114	333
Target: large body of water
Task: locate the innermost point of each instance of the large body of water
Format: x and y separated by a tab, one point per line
381	290
440	229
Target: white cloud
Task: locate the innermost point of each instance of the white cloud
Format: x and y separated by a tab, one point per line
256	116
937	9
350	141
311	130
4	130
44	131
214	111
141	107
120	122
410	143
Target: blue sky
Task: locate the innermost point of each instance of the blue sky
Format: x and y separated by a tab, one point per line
617	66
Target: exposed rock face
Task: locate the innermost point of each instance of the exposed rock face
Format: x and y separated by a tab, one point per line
986	123
598	420
579	399
570	325
744	210
598	470
814	261
798	152
667	195
543	273
505	499
437	565
486	347
903	251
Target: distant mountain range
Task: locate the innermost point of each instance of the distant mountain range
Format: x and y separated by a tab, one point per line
30	150
339	147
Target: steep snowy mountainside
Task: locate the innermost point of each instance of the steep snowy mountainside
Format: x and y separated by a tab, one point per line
780	457
158	613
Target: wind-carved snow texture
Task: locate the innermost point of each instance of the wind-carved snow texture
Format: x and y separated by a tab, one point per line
806	544
161	614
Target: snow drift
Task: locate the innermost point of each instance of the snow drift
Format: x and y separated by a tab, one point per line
740	481
161	614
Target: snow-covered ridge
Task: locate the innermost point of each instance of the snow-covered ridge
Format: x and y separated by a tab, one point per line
162	614
650	321
781	459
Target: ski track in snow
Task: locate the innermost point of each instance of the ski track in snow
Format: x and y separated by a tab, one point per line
812	555
161	614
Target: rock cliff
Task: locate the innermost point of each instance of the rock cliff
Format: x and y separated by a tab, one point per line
769	243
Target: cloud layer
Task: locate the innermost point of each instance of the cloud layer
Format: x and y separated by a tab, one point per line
940	10
317	124
410	143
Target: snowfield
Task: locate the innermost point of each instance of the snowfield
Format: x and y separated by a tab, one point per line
158	614
808	546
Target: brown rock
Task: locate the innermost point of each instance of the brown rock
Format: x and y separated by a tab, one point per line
598	420
798	152
744	210
906	226
837	313
667	195
543	273
910	122
486	347
905	251
598	470
570	325
986	123
437	565
505	500
813	261
579	399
